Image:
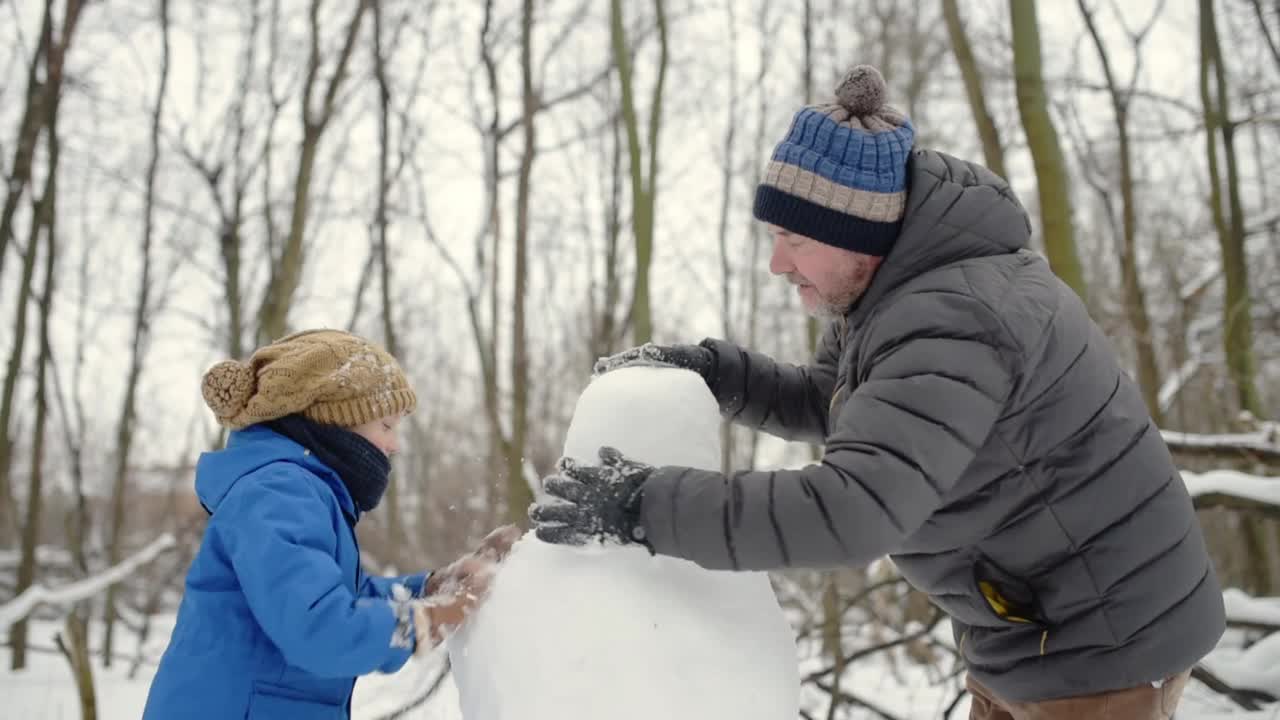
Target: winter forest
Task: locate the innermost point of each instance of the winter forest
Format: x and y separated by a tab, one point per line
503	191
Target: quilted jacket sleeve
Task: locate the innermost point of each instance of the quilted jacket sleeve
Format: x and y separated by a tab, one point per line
789	401
937	379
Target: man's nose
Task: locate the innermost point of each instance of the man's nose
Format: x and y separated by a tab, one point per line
780	262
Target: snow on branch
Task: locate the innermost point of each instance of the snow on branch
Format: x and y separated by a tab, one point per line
1255	668
1235	490
1262	444
1244	609
71	593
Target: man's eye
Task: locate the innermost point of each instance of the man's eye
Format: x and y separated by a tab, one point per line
386	426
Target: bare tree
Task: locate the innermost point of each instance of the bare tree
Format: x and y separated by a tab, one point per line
1228	217
73	642
1261	17
727	173
273	314
1052	179
608	328
42	90
644	176
757	239
395	533
44	87
519	494
138	348
1135	296
812	329
43	219
971	75
8	505
228	165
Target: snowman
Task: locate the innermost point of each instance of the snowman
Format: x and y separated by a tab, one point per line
611	631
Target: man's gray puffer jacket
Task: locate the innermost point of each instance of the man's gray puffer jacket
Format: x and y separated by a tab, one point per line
979	430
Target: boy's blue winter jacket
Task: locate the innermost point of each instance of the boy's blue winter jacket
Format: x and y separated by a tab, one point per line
277	619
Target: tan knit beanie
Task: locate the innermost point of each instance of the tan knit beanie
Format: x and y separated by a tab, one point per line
330	376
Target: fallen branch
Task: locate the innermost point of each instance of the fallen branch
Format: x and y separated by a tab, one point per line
1235	502
955	702
856	655
1260	446
1246	699
840	696
420	699
1234	490
1244	610
72	593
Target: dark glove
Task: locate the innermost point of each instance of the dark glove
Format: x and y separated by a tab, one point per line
592	501
687	357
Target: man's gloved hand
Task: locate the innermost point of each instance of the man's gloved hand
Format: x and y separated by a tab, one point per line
688	357
593	501
455	591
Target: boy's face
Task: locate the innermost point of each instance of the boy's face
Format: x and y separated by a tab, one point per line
383	433
829	279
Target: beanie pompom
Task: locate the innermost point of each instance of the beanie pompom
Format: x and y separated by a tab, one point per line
862	91
228	386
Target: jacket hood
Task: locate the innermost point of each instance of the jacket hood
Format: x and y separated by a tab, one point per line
252	448
956	210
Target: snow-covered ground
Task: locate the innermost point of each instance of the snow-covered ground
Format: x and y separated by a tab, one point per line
45	690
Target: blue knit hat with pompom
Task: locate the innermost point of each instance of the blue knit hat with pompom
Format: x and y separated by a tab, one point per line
840	174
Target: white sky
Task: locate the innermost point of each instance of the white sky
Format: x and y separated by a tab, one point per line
105	130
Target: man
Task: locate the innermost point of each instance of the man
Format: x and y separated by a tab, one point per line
977	426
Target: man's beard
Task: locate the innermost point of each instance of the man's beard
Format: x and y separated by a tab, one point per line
837	305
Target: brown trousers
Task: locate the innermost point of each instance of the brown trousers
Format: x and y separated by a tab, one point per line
1146	702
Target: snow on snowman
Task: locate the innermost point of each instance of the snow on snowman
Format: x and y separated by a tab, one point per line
609	630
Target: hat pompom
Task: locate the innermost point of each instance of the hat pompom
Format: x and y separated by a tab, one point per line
228	386
862	91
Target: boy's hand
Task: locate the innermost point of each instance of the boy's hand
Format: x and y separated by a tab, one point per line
455	591
453	600
494	547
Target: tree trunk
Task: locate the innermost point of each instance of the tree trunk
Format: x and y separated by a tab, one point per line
608	334
812	329
971	74
141	334
1237	328
519	495
42	218
76	647
488	269
726	194
1042	138
73	642
1135	296
833	632
643	183
755	233
41	93
1260	14
8	505
42	104
395	531
273	315
28	134
231	210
